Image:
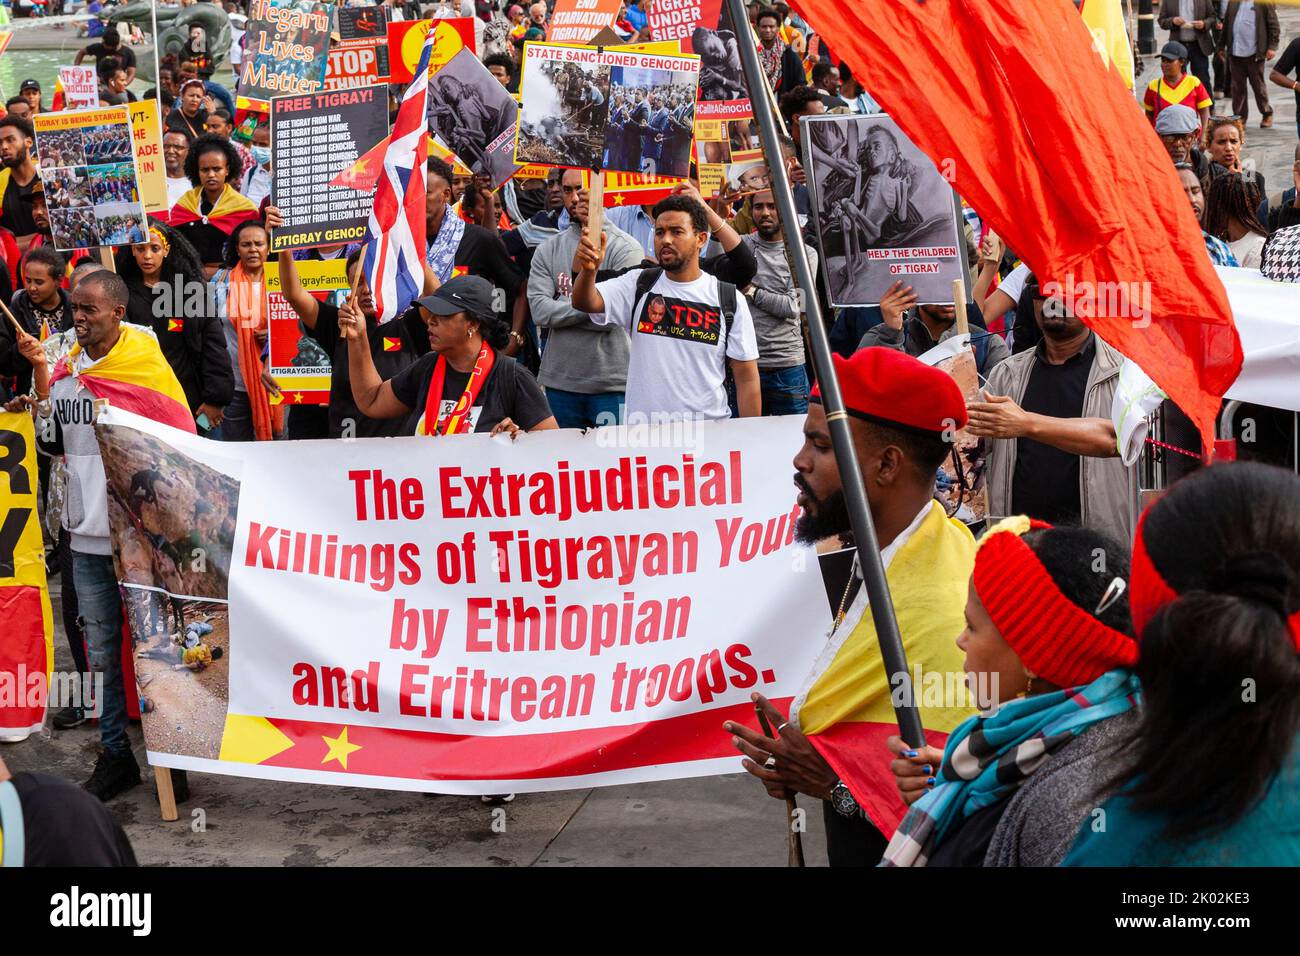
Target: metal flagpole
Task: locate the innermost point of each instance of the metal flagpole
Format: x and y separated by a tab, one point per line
157	63
855	494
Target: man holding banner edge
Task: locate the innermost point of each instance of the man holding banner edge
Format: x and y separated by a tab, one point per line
832	745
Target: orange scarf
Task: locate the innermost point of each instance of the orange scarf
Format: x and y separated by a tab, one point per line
458	419
246	308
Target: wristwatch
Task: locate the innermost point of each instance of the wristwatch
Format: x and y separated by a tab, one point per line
843	801
517	336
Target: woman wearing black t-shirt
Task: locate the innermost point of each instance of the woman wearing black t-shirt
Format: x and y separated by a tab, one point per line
465	384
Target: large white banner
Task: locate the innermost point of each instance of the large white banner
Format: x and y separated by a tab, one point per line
463	614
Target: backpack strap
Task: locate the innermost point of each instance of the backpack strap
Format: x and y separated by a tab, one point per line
12	844
644	283
727	304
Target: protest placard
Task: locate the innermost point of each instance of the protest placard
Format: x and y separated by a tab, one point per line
80	88
146	132
637	189
297	362
406	40
883	211
960	485
471	114
87	166
27	647
532	171
286	48
314	138
704	28
607	109
360	57
431	637
577	21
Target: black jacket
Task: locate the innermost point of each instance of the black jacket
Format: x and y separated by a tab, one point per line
1268	30
195	348
15	372
1204	10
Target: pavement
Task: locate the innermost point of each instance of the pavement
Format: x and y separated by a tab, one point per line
1272	150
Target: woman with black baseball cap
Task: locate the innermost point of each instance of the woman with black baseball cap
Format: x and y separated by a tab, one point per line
464	384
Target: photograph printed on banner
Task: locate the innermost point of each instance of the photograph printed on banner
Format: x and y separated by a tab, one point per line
746	178
60	147
705	29
651	121
107	143
68	188
565	110
113	183
743	137
959	485
721	77
472	114
714	153
74	228
173	525
883	210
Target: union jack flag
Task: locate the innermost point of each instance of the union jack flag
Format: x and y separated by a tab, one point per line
393	263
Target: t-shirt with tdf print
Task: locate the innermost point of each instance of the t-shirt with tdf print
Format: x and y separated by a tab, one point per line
677	366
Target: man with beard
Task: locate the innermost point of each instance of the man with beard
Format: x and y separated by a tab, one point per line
584	367
1052	452
832	747
774	302
17	178
109	359
677	367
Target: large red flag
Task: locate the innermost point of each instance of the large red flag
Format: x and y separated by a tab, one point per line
1048	145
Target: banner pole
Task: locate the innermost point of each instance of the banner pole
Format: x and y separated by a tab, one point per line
157	67
855	495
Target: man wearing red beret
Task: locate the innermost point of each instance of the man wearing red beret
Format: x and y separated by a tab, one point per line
903	416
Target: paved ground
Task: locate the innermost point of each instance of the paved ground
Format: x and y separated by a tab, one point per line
1273	150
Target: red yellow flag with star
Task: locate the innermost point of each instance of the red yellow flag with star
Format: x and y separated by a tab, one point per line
27	641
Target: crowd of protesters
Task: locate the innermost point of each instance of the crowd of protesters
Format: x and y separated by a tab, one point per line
556	329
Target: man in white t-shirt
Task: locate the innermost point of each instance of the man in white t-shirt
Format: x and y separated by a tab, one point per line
681	341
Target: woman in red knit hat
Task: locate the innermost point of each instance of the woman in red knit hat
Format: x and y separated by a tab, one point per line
1048	645
1212	770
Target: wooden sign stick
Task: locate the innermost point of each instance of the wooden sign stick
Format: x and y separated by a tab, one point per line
595	205
17	328
959	303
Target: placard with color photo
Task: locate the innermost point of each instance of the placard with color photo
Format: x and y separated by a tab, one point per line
86	160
